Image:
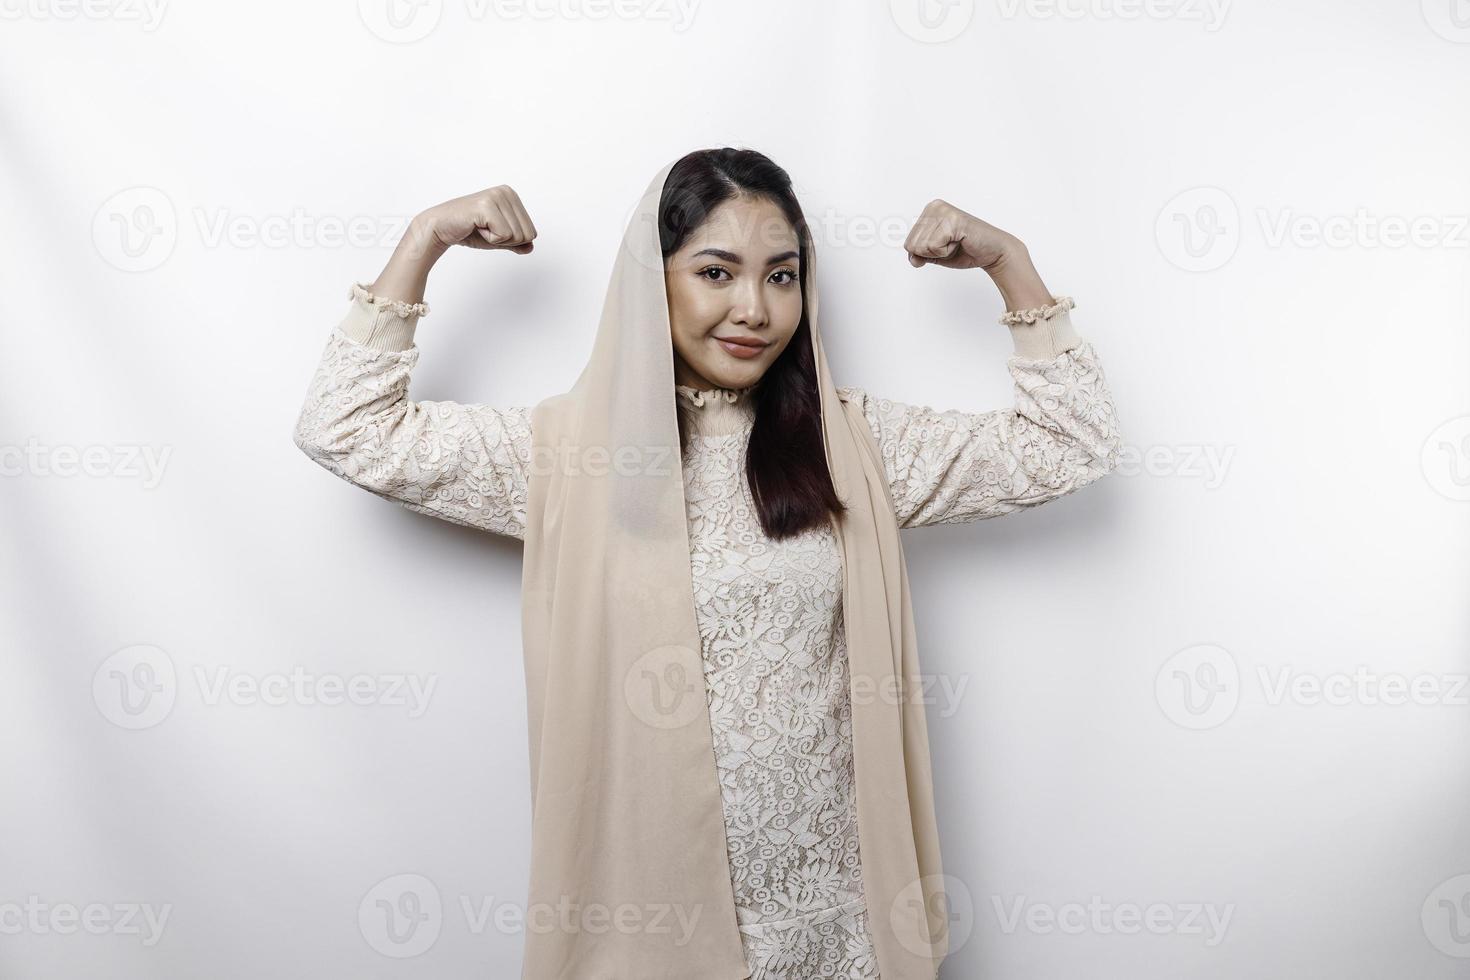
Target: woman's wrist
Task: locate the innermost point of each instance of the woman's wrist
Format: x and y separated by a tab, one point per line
406	276
1016	277
1043	330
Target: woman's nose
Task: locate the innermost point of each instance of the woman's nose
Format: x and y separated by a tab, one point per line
750	308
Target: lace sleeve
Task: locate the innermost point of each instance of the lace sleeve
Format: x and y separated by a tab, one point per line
950	467
466	464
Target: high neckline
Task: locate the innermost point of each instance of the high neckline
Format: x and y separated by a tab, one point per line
717	411
699	398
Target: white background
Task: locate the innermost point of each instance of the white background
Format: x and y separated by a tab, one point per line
1225	190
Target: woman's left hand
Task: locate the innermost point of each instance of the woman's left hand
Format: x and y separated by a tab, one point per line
945	235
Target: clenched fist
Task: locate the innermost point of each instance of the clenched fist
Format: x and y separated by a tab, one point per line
945	235
492	218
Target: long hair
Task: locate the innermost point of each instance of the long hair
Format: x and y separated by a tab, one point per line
785	464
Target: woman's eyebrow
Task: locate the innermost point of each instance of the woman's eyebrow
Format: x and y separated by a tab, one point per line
720	253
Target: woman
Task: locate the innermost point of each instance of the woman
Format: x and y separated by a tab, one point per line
782	822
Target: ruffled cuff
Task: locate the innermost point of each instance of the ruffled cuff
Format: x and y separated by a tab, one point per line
379	322
1043	332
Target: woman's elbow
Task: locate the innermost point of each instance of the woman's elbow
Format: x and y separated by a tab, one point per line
1109	450
309	435
324	446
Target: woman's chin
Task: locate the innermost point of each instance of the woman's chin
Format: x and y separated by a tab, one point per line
722	377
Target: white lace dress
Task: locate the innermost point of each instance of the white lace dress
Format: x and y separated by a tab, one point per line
775	670
769	612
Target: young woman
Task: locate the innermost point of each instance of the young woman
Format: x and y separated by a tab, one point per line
776	820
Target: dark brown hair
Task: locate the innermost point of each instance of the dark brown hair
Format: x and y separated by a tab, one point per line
785	464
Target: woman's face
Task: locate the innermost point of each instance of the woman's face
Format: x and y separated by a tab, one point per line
736	278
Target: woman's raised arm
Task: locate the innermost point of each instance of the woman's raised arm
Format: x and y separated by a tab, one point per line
950	467
464	463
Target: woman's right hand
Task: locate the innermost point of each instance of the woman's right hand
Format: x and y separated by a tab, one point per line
492	218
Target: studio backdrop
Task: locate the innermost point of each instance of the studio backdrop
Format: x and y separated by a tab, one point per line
1207	718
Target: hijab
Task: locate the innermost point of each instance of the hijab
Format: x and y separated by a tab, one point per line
629	875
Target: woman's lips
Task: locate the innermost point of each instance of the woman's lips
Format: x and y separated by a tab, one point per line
742	351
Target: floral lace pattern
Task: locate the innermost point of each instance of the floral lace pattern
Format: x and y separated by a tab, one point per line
950	467
466	464
775	662
769	612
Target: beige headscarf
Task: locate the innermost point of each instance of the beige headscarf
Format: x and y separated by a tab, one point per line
629	872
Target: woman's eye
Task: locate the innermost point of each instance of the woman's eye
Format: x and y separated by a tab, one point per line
714	273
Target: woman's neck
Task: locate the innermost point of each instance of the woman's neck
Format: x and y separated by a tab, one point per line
716	411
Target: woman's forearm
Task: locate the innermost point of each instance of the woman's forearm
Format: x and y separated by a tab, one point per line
406	275
493	218
1016	277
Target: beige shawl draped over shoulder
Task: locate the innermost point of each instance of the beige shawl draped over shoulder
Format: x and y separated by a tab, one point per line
629	874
